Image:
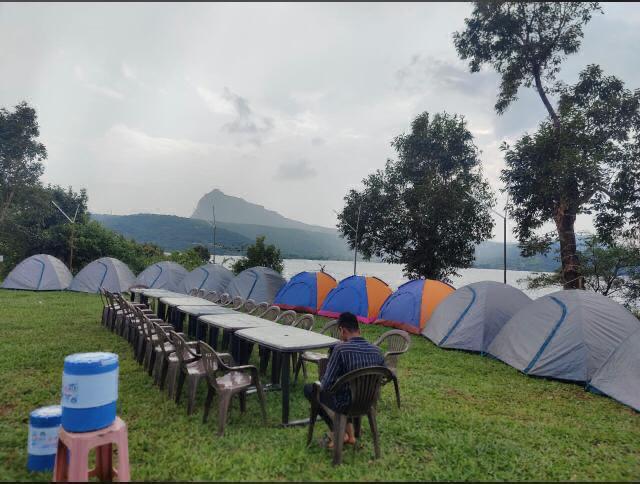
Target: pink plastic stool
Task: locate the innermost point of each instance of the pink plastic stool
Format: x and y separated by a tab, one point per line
77	445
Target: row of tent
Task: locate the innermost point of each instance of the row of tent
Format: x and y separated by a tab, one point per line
46	273
576	335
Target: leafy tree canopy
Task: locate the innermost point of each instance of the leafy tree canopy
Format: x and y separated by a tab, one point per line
260	254
429	208
20	154
590	166
525	42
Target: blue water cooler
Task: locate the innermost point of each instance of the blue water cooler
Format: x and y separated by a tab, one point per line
89	391
44	424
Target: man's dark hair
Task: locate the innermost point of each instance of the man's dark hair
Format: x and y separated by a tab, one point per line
349	322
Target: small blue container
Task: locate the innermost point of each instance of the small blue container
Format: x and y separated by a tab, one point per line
44	424
89	391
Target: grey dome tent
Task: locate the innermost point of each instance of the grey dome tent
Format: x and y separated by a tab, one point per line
470	318
566	335
104	273
39	272
162	275
258	283
619	376
208	277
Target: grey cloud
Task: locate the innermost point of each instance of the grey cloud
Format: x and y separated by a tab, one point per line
246	122
424	72
296	170
318	141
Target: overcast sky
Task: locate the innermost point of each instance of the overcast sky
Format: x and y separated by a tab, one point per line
149	106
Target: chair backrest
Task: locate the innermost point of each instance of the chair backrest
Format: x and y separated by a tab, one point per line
364	385
183	352
193	292
200	293
331	329
305	322
260	309
272	313
237	303
163	338
287	318
212	363
225	299
250	305
212	296
393	343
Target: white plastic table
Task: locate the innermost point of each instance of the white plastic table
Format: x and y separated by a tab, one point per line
283	341
194	312
229	323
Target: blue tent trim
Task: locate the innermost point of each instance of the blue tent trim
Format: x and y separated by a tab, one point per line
461	317
104	276
41	272
157	277
205	277
551	335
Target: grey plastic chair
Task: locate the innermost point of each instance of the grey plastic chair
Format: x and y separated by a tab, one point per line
260	309
393	343
236	303
249	306
272	313
191	369
305	321
287	318
212	296
225	380
316	357
364	385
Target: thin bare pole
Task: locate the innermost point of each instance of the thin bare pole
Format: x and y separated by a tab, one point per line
73	226
213	209
355	253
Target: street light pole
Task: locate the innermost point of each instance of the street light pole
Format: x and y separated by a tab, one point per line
73	224
355	253
356	231
213	209
504	246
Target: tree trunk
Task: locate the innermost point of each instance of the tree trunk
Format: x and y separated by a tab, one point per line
5	206
570	273
545	100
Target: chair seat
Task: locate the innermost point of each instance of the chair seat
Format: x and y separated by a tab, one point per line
196	368
313	356
234	380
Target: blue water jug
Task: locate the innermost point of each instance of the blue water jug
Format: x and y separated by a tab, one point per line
89	391
44	424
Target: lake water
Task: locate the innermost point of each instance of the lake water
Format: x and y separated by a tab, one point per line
392	273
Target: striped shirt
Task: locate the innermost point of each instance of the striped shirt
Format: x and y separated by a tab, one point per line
348	356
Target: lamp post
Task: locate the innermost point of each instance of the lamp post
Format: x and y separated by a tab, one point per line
213	210
357	232
504	246
73	225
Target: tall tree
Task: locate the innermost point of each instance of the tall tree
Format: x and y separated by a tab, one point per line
526	42
20	154
429	208
590	166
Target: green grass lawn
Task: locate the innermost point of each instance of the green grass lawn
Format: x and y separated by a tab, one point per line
463	416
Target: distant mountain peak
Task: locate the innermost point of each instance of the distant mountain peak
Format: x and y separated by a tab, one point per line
238	210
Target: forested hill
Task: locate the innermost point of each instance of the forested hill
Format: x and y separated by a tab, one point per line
178	233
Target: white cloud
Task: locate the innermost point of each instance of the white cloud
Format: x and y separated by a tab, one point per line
105	91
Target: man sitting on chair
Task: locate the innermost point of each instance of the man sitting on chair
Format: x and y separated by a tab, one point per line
353	353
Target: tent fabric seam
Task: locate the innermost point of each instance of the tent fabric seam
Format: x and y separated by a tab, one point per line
459	320
551	335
